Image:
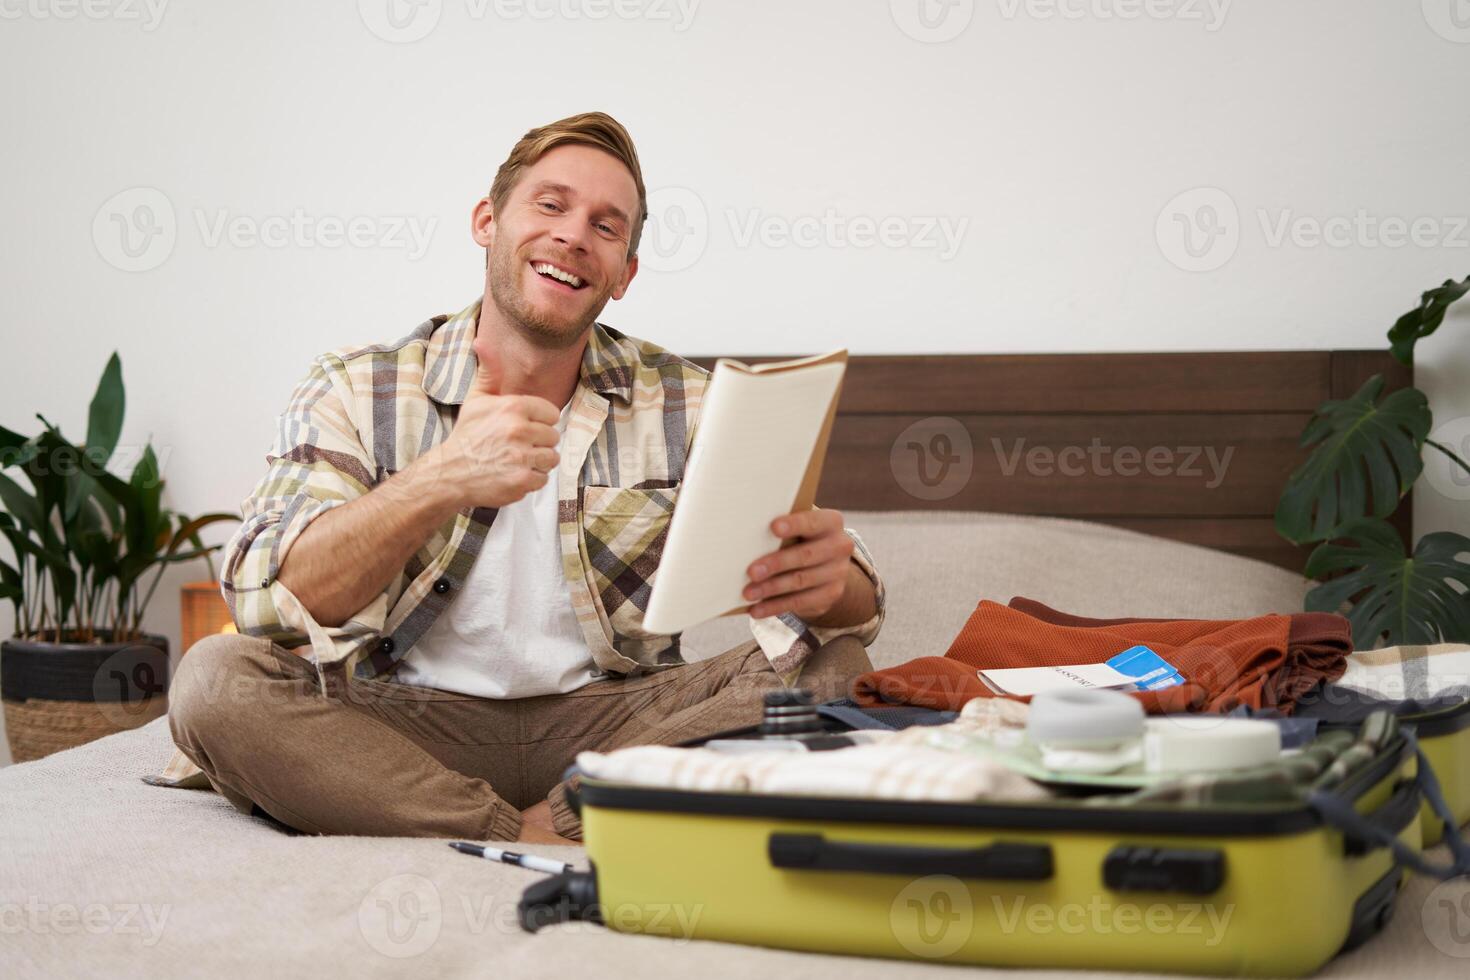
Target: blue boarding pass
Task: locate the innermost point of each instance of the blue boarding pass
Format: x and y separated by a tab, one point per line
1150	672
1137	669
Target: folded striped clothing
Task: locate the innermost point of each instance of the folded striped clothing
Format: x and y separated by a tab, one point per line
1408	672
880	771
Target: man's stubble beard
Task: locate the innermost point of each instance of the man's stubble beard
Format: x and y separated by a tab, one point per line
532	324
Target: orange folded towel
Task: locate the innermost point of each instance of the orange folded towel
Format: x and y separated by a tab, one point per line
1264	662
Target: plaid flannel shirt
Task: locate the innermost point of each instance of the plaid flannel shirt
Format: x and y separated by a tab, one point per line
364	413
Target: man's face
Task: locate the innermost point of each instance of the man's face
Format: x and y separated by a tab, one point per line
572	210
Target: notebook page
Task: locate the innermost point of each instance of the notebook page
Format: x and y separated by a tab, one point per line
755	438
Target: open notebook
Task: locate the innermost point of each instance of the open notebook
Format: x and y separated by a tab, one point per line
757	454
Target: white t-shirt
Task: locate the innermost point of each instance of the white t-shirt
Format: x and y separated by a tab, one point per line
510	631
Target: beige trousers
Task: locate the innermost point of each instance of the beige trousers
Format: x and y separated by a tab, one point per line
390	759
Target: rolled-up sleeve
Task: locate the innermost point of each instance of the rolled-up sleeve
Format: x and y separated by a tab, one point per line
316	462
866	631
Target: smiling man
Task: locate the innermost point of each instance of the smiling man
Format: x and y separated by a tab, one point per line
440	581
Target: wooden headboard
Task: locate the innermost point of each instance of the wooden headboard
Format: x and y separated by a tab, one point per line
1190	446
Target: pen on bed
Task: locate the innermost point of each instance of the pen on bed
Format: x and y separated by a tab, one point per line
528	861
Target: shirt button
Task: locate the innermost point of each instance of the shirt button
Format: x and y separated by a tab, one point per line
385	645
442	586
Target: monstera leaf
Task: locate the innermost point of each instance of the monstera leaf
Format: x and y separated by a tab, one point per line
1424	319
1361	444
1397	597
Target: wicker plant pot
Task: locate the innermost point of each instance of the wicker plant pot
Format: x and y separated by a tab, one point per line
60	695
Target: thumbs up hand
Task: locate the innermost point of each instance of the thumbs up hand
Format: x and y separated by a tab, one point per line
502	446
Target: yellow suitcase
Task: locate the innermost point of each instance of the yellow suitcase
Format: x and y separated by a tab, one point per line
1239	890
1444	738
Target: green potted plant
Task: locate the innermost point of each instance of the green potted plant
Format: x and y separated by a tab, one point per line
83	542
1366	455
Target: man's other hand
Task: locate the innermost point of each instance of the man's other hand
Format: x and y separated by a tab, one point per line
810	574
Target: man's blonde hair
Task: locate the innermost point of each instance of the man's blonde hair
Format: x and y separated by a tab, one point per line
588	129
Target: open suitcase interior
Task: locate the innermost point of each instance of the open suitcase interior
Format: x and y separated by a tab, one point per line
1245	889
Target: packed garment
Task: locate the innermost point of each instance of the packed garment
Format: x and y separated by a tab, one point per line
874	771
1263	662
1410	672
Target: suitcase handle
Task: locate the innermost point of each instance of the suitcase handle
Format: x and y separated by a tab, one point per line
1391	817
1002	860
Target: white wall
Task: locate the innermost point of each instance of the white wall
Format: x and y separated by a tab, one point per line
1054	139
